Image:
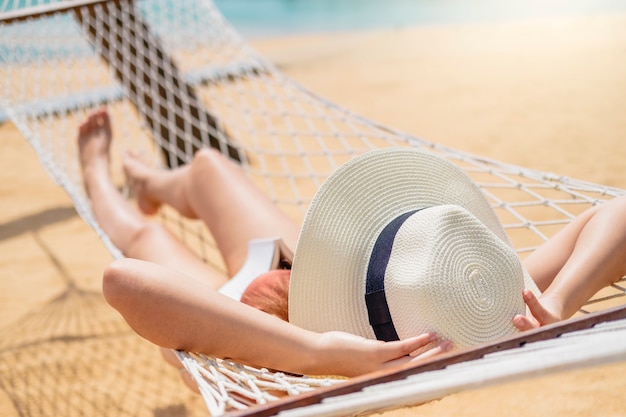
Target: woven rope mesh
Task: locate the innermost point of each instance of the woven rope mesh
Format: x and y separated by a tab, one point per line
176	77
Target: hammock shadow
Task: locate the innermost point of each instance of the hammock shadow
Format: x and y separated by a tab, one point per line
51	363
36	221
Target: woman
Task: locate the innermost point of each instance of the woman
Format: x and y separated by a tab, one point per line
169	296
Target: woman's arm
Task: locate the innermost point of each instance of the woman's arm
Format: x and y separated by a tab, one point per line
585	256
176	311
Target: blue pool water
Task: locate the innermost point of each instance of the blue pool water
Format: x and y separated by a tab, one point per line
259	18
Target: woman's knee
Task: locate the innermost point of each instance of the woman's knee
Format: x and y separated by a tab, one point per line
209	165
205	160
124	282
117	281
205	168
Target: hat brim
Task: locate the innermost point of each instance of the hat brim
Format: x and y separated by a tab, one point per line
346	215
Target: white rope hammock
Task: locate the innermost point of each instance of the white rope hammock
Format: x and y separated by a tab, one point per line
176	77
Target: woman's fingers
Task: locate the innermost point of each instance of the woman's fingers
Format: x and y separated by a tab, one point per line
538	310
351	355
401	350
539	315
523	323
443	347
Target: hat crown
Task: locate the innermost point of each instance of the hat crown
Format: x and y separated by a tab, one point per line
450	274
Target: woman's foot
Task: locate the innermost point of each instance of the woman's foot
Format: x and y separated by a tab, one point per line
94	142
153	187
138	176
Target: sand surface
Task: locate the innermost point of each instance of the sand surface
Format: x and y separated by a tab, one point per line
547	94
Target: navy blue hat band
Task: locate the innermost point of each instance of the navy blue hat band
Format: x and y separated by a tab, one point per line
375	298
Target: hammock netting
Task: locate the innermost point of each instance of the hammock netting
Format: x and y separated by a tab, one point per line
176	77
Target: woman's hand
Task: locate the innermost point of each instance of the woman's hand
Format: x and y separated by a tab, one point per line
339	353
539	314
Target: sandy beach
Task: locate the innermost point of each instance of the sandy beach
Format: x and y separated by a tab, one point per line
547	94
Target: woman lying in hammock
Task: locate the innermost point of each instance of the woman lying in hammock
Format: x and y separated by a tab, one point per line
170	297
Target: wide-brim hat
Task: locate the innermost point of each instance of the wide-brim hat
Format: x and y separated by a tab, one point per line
398	242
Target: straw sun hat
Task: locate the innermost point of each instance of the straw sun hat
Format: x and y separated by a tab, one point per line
404	239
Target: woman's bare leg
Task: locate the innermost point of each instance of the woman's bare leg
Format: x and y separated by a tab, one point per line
128	229
217	191
586	256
